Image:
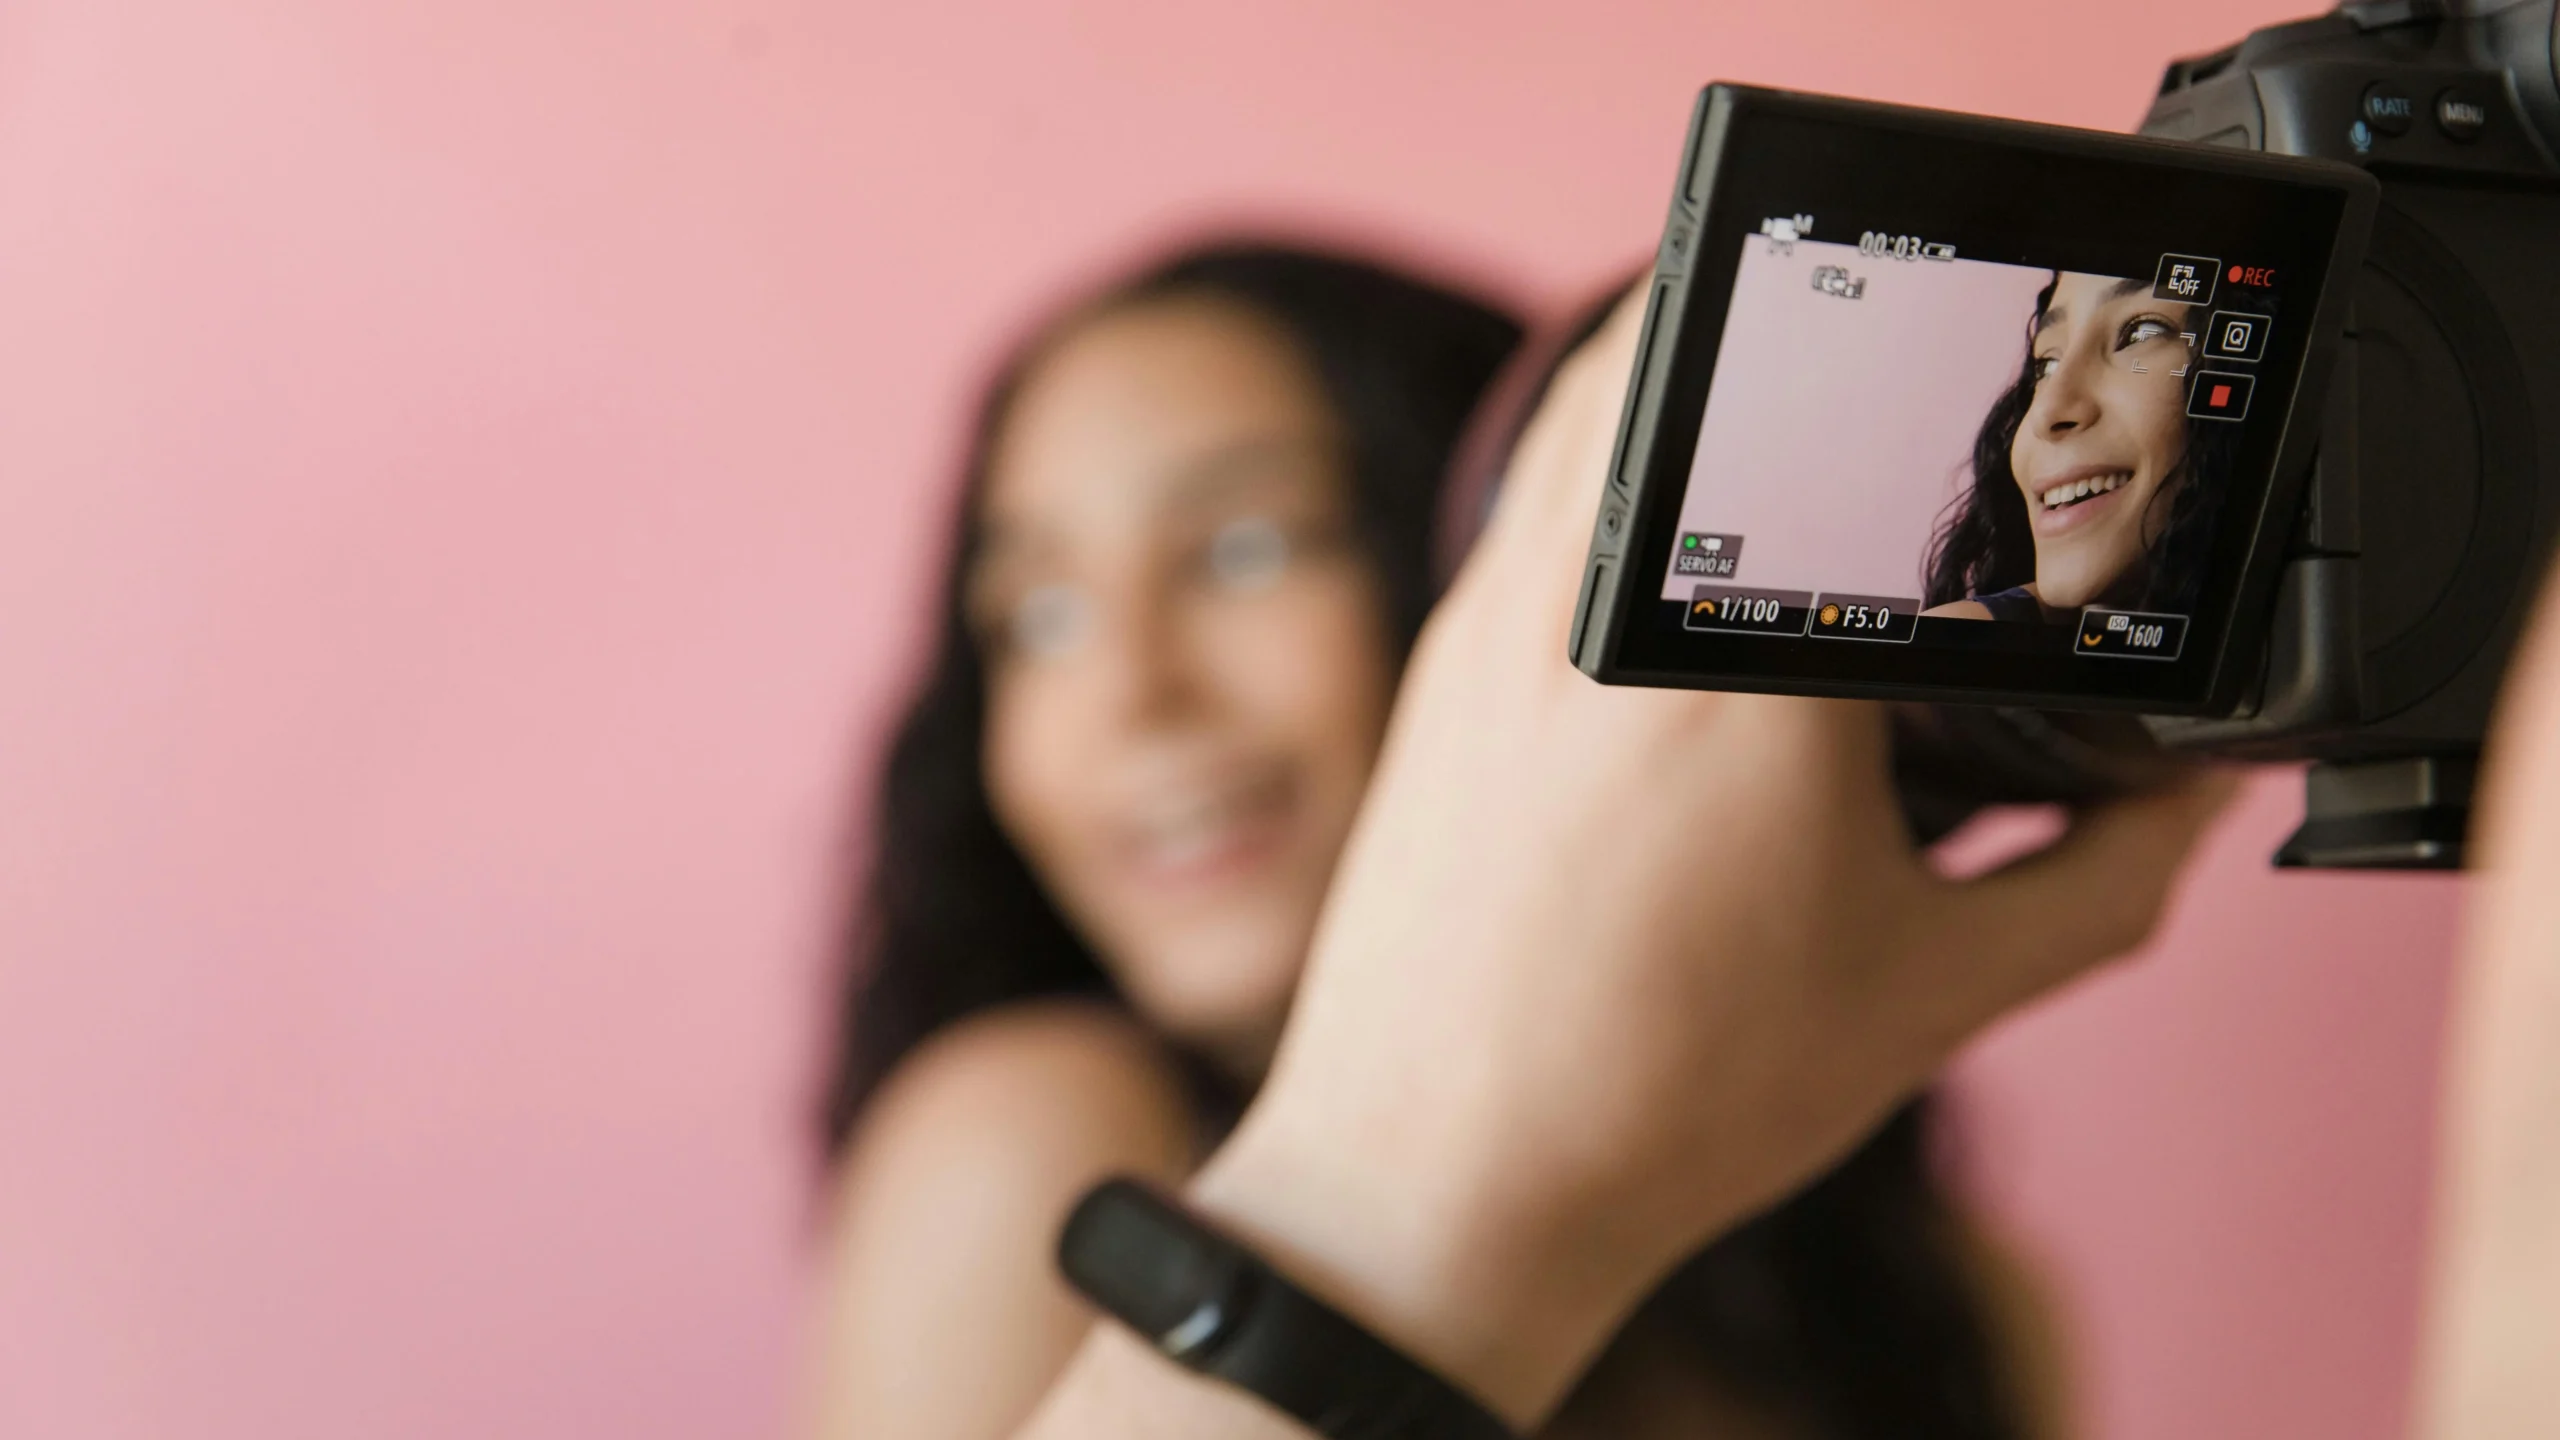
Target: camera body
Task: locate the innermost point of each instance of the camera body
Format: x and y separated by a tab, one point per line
2254	435
2434	501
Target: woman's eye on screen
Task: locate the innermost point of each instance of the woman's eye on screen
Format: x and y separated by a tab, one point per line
2142	330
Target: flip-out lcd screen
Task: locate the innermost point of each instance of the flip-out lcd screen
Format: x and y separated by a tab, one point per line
1962	407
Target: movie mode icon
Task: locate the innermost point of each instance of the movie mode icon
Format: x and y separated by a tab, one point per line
2220	395
1713	556
2130	635
2236	335
2188	279
1749	612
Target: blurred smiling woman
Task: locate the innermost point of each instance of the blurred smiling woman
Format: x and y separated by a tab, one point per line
1194	546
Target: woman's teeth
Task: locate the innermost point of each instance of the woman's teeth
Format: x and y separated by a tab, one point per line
1179	830
1185	829
2075	491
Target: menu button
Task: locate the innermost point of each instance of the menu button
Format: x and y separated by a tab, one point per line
2459	116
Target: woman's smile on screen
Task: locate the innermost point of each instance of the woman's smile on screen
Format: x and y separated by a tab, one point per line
2105	435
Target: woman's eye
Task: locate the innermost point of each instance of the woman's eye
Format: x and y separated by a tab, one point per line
1248	554
2044	367
2144	329
1048	621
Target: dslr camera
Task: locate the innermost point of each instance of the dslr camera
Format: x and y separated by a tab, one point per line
2239	437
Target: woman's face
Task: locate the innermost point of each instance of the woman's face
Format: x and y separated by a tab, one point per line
1188	669
2104	435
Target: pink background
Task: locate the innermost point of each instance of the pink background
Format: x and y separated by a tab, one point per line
470	474
1837	430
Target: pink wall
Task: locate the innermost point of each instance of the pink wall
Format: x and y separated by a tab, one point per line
1837	430
469	471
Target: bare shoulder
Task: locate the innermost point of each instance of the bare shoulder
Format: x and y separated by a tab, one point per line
1959	610
1039	1081
946	1317
1034	1100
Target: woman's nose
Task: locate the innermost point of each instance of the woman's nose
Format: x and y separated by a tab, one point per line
1138	667
2066	401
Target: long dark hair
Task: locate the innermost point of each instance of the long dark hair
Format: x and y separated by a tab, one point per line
952	921
1847	1311
1985	538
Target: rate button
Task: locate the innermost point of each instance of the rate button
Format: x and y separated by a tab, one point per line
2388	108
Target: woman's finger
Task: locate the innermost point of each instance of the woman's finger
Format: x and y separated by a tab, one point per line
2091	896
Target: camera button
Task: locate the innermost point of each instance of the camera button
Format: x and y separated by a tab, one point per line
2186	277
2388	108
2236	335
2459	116
2220	395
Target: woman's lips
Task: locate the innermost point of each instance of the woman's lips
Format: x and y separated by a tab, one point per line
1210	835
2075	498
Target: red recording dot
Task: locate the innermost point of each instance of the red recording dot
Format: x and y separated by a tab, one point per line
2235	274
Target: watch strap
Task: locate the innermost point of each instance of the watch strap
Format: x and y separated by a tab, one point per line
1208	1303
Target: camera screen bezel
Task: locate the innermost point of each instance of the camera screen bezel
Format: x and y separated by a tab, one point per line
1997	186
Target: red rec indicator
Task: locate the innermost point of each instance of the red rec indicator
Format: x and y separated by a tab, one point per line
2259	275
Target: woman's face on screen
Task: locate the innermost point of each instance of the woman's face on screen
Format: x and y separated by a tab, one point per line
2105	435
1187	662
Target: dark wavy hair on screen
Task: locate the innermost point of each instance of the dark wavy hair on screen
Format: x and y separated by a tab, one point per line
1848	1311
1985	540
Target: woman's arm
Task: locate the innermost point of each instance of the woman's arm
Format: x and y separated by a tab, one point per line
945	1319
2493	1352
1602	972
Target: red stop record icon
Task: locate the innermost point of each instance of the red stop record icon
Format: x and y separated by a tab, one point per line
2220	395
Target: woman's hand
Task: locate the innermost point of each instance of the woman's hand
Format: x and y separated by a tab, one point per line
1606	970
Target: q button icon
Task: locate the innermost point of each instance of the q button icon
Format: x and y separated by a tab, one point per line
2236	335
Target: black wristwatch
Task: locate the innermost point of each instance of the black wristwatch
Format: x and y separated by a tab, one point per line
1209	1304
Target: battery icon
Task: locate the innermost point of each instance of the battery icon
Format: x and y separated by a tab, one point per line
1938	250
